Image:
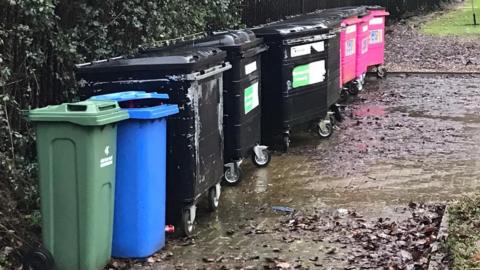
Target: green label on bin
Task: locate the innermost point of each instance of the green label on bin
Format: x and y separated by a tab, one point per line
251	99
309	74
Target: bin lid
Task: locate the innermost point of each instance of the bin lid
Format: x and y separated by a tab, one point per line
153	112
345	12
177	60
85	113
243	39
290	28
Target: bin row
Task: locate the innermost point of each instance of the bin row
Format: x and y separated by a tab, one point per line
109	165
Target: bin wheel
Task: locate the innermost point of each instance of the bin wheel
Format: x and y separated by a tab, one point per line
38	259
381	72
262	161
354	89
286	142
214	197
188	223
232	175
324	129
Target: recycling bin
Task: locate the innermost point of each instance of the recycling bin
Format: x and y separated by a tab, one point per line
193	79
347	16
76	145
140	195
333	49
294	78
348	50
241	96
376	49
363	36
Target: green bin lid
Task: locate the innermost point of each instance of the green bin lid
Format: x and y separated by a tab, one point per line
85	113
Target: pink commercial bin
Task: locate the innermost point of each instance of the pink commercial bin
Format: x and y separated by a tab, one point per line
363	38
348	51
376	49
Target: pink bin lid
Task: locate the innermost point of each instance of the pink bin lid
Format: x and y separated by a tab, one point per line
378	13
351	21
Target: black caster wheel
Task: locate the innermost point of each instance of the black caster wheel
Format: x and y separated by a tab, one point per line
381	72
214	198
286	143
262	161
324	129
188	222
38	259
232	175
354	89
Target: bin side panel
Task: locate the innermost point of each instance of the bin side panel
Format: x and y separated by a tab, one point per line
140	189
334	88
209	133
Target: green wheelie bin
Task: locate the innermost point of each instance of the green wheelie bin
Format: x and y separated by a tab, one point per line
76	145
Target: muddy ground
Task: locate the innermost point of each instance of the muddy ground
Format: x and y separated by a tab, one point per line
405	139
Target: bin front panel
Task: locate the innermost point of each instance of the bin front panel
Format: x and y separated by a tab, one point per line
376	48
294	94
77	170
140	189
363	40
242	108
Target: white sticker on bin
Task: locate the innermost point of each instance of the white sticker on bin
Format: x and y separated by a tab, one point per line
351	29
306	49
365	28
108	160
376	21
250	67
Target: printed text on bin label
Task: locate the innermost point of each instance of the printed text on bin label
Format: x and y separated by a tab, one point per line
306	49
108	160
251	98
309	74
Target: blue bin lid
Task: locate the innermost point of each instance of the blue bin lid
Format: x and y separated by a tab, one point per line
154	112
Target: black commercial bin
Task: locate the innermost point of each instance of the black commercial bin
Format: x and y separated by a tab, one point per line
242	90
334	87
294	77
193	78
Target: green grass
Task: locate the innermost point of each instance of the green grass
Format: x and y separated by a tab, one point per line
457	22
464	233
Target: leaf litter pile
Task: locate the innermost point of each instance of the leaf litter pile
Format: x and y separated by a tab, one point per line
380	244
336	239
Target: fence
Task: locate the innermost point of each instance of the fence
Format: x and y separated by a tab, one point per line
256	12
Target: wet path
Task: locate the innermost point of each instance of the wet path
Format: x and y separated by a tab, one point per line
404	139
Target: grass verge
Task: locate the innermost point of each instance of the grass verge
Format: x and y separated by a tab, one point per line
457	22
464	233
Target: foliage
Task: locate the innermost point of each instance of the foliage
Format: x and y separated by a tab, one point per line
40	41
463	233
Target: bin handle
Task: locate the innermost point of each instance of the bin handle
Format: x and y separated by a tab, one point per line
76	108
107	107
197	76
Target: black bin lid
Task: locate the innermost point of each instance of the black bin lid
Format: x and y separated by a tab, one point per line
291	28
344	12
176	60
232	39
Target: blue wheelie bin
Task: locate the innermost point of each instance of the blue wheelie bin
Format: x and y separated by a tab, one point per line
139	216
